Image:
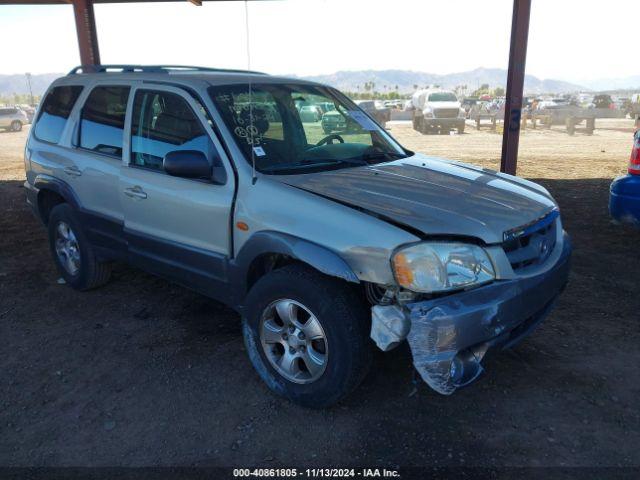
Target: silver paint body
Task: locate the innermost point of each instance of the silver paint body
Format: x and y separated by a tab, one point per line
395	203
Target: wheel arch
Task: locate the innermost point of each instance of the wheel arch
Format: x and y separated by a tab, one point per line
267	250
51	192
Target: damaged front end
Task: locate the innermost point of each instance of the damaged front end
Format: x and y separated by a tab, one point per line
450	335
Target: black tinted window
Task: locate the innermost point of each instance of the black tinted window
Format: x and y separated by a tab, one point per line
163	122
55	111
102	121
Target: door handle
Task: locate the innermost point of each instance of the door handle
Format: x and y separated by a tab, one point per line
73	171
135	192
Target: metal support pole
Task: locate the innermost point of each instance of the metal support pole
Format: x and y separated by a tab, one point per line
86	28
515	85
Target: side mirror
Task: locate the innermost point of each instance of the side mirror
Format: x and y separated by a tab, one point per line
190	164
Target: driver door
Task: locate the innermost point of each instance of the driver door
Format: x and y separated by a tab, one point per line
175	227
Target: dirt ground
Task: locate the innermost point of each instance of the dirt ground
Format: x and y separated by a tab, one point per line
142	372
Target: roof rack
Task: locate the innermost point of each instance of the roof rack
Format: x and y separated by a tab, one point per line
151	69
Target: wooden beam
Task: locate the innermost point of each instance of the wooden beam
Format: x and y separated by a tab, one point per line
86	29
515	85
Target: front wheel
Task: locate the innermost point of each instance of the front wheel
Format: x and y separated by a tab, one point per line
307	335
16	126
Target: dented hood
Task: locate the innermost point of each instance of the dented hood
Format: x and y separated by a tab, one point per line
434	196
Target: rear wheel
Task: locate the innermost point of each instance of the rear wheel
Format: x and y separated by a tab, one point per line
307	335
72	253
16	126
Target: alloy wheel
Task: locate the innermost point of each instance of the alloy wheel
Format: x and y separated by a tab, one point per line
294	341
67	248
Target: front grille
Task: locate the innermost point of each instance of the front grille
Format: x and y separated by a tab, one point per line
446	112
532	244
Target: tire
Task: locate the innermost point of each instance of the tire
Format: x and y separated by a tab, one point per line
16	126
343	317
90	272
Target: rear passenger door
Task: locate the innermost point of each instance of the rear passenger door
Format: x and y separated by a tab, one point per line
176	227
97	160
48	148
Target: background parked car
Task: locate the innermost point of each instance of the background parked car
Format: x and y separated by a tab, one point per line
468	103
29	110
13	118
380	115
334	121
437	110
310	113
624	198
633	106
603	106
560	109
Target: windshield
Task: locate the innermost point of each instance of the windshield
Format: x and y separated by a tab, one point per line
443	97
290	129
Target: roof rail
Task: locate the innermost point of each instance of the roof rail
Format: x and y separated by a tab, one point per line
115	68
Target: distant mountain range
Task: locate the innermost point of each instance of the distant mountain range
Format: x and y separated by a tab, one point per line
404	79
614	83
10	84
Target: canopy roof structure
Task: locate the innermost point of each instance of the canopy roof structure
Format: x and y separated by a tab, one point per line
90	55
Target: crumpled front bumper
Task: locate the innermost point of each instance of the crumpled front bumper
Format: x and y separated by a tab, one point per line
449	336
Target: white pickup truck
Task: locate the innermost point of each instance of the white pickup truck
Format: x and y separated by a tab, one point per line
436	110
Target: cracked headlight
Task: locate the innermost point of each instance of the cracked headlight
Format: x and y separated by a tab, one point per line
441	266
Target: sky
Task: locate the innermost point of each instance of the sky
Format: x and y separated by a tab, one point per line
573	40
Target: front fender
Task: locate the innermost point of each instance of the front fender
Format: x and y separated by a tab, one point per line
270	242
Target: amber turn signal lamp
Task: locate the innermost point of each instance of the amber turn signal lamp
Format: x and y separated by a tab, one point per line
242	226
404	275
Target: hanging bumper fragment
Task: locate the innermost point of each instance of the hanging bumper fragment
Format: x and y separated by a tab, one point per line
450	336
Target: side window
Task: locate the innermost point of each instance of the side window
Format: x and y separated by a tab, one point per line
102	120
164	122
54	113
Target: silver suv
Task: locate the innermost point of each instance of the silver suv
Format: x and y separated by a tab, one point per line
13	118
325	244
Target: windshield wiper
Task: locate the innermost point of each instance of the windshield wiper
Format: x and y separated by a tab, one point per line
314	163
386	155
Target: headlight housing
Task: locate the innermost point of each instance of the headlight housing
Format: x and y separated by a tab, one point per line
427	112
432	267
